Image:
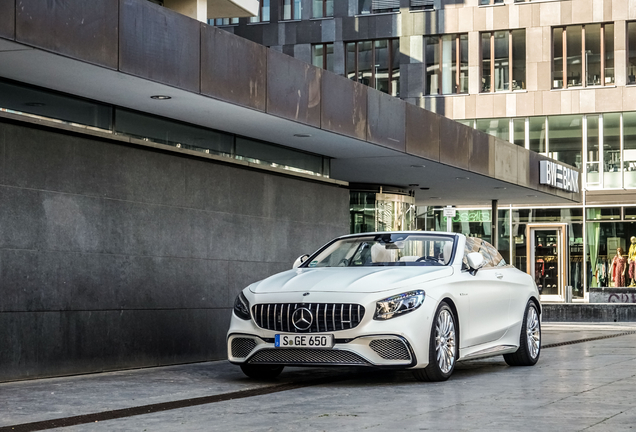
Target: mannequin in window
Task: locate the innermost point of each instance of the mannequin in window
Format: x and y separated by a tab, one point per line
631	261
619	268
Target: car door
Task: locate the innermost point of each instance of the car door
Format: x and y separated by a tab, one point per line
488	292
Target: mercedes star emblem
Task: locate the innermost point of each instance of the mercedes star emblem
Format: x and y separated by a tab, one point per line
302	319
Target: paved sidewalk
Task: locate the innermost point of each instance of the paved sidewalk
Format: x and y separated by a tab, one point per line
583	386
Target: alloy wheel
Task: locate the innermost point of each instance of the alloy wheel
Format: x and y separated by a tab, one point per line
533	332
445	341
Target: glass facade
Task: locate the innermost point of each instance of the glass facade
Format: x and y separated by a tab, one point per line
503	60
446	60
375	63
372	211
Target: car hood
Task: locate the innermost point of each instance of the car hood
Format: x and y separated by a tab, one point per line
347	279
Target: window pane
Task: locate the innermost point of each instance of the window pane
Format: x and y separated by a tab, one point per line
382	65
297	9
574	34
328	8
611	151
557	61
317	56
499	128
364	6
593	54
537	134
592	150
629	149
166	131
431	52
463	58
351	61
519	132
609	53
566	139
518	59
395	66
329	55
265	10
501	61
317	9
287	12
631	53
263	153
365	61
448	61
485	62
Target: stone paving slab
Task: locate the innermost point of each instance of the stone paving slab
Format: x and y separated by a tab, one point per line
584	386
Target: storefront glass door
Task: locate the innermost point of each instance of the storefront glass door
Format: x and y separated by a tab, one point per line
547	255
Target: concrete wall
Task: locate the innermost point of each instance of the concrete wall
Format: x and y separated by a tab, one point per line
115	256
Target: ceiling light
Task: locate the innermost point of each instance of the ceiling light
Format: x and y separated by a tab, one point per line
160	97
435	198
462	178
414	185
302	135
418	166
531	196
424	188
500	187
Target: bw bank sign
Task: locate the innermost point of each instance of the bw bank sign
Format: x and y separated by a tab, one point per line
558	176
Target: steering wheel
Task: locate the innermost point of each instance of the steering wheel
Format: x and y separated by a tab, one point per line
426	258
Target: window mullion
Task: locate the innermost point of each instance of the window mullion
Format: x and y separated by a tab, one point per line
602	37
492	62
457	63
390	49
510	60
583	59
565	57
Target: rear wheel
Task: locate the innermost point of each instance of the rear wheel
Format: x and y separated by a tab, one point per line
529	340
262	372
442	350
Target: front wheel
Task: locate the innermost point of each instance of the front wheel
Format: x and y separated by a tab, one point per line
262	372
442	350
529	340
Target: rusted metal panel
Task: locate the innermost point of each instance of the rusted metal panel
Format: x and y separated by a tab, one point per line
455	141
481	158
233	69
83	30
422	132
159	44
293	89
386	120
7	19
344	106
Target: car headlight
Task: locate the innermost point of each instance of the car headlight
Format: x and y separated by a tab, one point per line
399	304
242	307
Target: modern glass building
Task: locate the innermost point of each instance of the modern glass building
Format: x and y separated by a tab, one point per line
555	77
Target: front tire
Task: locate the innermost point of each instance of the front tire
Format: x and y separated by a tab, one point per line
529	340
442	349
262	372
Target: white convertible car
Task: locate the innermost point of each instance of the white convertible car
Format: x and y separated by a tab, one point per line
410	300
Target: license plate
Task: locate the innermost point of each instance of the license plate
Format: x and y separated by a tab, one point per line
303	341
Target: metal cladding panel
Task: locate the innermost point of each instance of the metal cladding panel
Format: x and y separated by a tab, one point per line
481	158
293	89
225	73
344	106
386	120
83	30
159	44
422	132
7	19
455	143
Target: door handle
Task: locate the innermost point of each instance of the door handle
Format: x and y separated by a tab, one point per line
499	275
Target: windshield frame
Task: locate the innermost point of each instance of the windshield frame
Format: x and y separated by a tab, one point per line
394	236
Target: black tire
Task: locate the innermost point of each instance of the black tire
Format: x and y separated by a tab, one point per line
262	372
529	339
444	330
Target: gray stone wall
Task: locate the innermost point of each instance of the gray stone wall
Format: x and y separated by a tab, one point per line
115	256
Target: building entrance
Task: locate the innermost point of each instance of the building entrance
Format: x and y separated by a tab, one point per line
547	256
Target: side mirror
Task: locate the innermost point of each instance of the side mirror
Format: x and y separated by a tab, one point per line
301	259
475	262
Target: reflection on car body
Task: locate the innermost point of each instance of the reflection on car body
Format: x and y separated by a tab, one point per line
413	300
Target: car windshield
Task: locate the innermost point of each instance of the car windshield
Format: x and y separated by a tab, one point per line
387	250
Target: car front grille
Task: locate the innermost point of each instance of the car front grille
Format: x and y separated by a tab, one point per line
307	356
242	347
325	317
390	349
